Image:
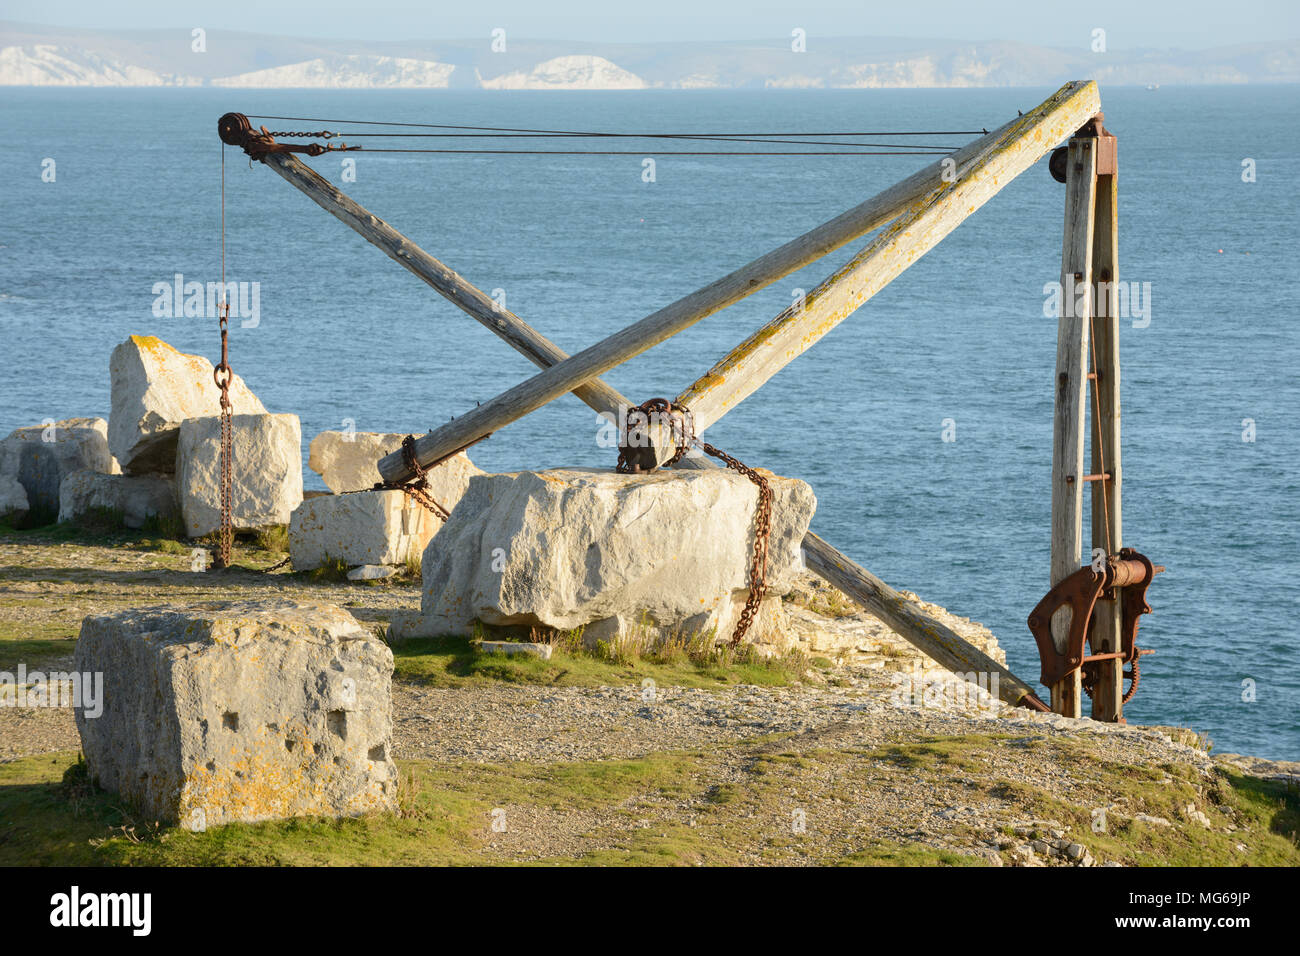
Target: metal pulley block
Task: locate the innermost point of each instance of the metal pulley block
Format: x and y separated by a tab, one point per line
234	129
1107	151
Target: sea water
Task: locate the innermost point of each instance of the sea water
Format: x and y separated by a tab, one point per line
923	422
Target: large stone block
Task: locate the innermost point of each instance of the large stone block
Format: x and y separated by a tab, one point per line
366	527
654	555
39	457
347	462
266	472
154	389
137	498
220	713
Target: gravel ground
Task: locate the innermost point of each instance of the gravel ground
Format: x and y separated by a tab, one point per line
50	588
947	810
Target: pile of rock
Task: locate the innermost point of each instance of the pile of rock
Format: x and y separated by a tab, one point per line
165	423
34	462
157	456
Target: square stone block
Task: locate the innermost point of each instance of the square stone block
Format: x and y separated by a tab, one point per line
365	527
248	711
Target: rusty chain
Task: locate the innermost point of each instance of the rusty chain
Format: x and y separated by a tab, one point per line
222	375
682	428
292	134
417	489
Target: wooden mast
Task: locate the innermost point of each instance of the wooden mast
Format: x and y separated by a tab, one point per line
1087	375
1069	408
1107	523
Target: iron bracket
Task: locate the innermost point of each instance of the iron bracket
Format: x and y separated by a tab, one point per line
1107	150
1080	592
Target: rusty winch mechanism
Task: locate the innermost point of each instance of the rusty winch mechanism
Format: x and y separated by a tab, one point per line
236	130
1080	592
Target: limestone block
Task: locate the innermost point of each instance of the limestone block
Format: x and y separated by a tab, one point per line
367	527
13	499
230	712
137	498
154	388
653	555
39	457
266	472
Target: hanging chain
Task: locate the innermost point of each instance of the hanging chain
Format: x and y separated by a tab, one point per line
222	375
682	428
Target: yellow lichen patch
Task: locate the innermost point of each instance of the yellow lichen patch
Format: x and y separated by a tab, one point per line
262	781
151	343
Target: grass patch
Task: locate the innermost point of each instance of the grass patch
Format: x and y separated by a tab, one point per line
33	644
164	537
940	753
95	526
413	567
34	653
889	853
165	546
51	814
1260	815
60	533
333	571
455	662
104	529
823	599
274	539
681	808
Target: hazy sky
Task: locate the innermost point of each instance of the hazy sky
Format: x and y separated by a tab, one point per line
1128	23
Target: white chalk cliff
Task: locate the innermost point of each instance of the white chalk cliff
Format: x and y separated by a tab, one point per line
47	65
567	73
347	72
32	55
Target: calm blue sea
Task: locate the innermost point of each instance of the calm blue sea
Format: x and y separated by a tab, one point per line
582	246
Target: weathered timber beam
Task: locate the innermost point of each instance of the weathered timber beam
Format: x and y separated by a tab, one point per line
936	640
445	281
748	366
1070	414
1107	519
535	392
